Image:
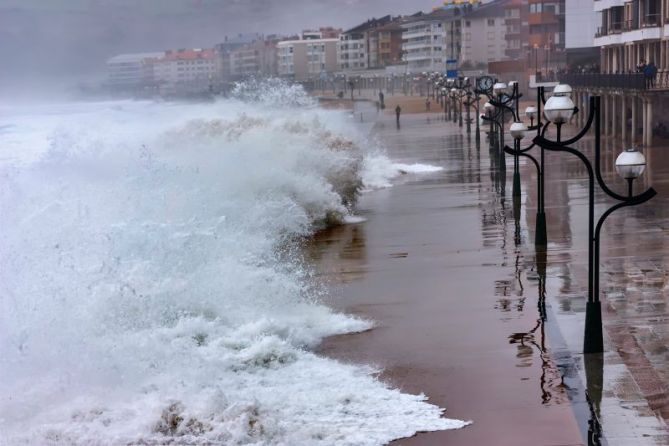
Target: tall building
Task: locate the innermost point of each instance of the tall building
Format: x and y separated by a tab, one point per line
258	58
483	35
632	31
546	36
131	71
229	44
187	70
307	57
358	46
387	49
516	19
424	41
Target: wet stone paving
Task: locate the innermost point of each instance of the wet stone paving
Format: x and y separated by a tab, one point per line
459	233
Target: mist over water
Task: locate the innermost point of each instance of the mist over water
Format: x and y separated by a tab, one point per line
152	288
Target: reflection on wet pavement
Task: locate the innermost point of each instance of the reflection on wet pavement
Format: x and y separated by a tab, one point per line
468	261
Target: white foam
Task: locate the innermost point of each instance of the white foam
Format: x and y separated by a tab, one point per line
152	290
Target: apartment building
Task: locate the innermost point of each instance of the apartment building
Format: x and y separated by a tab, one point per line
546	36
483	35
386	45
358	46
516	20
307	57
631	31
258	58
185	70
131	71
424	41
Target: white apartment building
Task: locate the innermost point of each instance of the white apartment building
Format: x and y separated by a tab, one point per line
359	46
187	69
302	58
483	32
131	70
424	40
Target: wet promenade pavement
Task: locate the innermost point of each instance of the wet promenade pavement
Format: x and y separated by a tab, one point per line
467	315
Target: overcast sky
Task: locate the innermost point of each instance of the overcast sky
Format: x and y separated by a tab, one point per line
59	38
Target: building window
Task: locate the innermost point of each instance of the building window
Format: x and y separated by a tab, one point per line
491	22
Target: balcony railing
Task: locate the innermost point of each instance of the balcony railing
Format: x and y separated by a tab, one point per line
647	21
627	81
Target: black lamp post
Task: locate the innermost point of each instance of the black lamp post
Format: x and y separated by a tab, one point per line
630	164
540	236
472	100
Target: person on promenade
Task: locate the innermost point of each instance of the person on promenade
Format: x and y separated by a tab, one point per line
381	100
650	71
398	111
641	66
427	104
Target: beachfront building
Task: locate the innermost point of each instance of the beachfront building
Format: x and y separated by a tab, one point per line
186	70
388	48
230	44
308	57
434	41
424	40
631	34
547	35
258	58
358	46
516	20
129	72
483	35
632	31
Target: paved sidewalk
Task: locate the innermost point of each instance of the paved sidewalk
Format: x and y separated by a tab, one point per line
450	276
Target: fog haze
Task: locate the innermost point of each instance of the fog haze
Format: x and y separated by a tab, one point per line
58	39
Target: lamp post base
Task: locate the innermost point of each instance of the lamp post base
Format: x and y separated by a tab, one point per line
540	237
593	341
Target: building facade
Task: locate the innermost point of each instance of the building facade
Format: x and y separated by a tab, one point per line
131	71
307	58
388	48
632	32
516	20
258	58
424	41
483	35
187	70
358	46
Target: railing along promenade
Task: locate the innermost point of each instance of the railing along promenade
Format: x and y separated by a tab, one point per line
625	81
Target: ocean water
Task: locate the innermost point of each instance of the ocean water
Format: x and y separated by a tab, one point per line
152	289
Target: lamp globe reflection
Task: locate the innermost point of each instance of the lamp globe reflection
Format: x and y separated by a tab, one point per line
488	106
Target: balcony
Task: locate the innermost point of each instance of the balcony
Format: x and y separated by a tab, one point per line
542	18
629	81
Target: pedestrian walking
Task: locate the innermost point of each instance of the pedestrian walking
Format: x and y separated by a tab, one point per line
427	104
398	111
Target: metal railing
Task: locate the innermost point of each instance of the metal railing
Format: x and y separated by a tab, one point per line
627	81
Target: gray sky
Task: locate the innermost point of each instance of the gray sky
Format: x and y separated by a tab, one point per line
73	38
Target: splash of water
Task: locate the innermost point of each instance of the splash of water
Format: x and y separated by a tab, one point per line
151	284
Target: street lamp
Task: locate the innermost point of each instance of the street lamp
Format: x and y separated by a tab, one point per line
629	164
531	113
518	131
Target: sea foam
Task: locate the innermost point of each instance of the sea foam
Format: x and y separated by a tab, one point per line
152	288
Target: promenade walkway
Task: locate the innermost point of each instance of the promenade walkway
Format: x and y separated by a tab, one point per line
448	270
